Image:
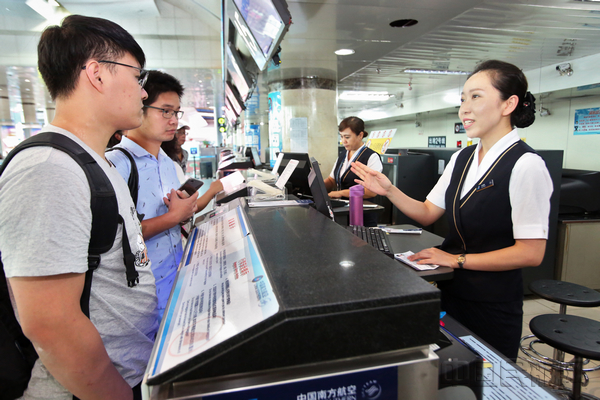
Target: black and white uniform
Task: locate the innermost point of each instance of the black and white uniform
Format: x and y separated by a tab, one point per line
344	177
488	207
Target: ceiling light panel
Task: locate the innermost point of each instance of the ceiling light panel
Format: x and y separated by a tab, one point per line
365	96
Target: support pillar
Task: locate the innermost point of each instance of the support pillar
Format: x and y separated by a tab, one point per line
303	113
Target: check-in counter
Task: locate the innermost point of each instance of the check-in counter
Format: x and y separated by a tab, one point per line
269	297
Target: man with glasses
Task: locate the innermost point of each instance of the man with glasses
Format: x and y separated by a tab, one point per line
163	206
93	70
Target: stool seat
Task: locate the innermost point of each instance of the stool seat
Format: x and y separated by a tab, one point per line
567	293
572	334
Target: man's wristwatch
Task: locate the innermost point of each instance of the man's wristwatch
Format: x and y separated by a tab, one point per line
461	260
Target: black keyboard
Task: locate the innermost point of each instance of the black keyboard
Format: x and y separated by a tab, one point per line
374	236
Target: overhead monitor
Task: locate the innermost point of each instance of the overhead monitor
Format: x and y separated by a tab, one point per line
319	191
298	182
262	25
231	107
236	102
237	72
230	115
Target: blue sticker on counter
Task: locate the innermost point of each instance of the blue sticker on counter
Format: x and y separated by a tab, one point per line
266	296
242	221
375	384
190	245
169	316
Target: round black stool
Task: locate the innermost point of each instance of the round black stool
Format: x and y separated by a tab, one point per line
571	334
565	294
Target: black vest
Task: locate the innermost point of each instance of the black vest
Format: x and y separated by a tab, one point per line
481	222
346	179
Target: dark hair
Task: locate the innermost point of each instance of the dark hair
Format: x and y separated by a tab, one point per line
159	83
64	50
355	124
114	140
509	80
170	147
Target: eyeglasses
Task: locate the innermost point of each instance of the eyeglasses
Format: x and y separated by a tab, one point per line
168	114
182	132
142	79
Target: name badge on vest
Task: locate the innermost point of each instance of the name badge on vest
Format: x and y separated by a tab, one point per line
485	185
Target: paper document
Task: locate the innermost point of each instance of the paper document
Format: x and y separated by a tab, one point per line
285	175
420	267
221	289
279	203
232	180
264	187
263	176
278	162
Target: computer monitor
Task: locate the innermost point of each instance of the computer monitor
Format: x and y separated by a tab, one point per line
319	191
579	192
253	153
298	182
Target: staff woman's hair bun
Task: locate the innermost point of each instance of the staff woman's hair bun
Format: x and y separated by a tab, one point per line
524	114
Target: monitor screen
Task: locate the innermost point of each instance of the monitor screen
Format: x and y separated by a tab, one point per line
230	106
237	72
231	95
263	20
261	24
230	115
319	191
298	182
579	192
254	154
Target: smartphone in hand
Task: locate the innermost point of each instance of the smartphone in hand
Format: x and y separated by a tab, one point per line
191	186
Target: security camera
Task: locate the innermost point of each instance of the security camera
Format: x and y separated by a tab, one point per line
564	69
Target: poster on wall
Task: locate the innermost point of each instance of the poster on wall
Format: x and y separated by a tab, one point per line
379	141
252	136
253	103
275	126
587	121
299	135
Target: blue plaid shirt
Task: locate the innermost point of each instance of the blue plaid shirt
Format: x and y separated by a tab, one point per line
156	179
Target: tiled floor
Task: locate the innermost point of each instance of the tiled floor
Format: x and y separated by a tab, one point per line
534	306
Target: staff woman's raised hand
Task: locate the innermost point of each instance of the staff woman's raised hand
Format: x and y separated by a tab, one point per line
370	179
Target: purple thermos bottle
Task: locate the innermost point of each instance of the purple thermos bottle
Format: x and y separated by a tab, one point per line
356	204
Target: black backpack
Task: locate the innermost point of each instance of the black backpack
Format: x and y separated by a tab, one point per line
17	354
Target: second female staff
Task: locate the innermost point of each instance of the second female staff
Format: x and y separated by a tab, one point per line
338	183
496	198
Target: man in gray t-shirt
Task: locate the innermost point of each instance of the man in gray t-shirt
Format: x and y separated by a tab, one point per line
92	68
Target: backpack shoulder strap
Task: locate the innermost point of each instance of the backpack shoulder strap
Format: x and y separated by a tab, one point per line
105	209
133	181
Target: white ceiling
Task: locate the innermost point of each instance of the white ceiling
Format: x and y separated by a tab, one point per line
183	37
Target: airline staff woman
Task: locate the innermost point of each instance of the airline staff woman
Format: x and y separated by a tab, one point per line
352	133
496	198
